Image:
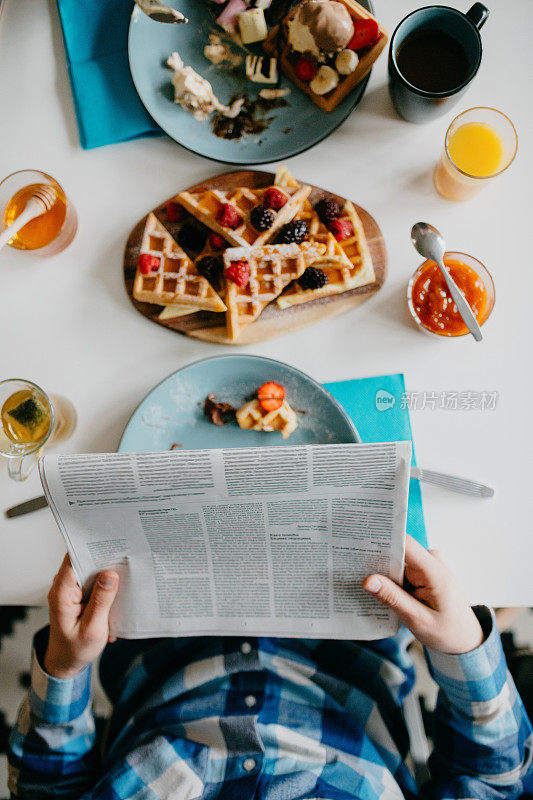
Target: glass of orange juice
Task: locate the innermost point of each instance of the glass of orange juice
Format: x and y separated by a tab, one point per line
479	145
49	233
30	419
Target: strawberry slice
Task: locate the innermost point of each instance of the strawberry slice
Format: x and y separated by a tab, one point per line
341	229
305	69
365	34
148	263
238	272
271	396
216	241
228	217
274	198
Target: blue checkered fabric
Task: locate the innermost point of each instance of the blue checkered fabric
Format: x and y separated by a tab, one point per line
270	719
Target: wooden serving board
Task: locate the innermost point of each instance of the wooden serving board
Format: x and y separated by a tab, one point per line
274	321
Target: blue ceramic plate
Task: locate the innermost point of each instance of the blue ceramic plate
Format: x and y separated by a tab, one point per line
292	129
173	411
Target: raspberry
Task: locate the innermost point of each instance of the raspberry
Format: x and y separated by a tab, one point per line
271	396
328	209
313	278
210	267
148	263
216	241
341	229
274	198
238	272
174	211
294	231
305	69
228	217
262	218
191	237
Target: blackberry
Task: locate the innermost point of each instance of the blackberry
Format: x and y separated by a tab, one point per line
313	278
295	231
210	267
328	209
191	237
262	218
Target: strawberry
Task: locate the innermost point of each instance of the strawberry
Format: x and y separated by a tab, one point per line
365	34
271	396
238	272
228	217
174	211
341	229
216	241
148	263
305	69
274	198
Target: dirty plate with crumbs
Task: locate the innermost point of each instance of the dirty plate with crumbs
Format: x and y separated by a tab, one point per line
276	130
172	414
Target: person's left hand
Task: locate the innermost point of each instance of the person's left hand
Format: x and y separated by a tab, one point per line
78	631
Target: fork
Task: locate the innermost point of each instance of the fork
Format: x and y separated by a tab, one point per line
39	203
452	482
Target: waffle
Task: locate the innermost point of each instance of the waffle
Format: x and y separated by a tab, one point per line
176	281
272	268
204	206
276	44
347	264
252	417
353	270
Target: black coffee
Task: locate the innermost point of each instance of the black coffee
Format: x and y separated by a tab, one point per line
433	61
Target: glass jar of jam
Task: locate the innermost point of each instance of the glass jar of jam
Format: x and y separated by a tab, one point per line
431	303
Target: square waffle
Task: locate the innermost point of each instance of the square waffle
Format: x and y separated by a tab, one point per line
276	43
252	417
205	205
272	268
176	280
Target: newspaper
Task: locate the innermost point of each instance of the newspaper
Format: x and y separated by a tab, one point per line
269	541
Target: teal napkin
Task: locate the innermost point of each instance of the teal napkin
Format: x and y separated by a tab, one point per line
375	407
107	105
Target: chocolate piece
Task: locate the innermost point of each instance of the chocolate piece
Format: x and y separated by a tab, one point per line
217	410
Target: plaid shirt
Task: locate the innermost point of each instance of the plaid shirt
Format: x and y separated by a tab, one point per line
270	719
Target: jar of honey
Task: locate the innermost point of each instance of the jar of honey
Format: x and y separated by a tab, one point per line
431	304
50	232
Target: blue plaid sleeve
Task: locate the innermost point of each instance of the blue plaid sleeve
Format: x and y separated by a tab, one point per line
51	747
482	735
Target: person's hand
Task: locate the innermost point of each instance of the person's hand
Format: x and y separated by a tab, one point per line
431	604
78	631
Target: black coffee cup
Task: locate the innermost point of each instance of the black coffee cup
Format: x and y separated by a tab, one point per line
434	54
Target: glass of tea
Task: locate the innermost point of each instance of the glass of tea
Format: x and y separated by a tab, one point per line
30	419
479	145
49	233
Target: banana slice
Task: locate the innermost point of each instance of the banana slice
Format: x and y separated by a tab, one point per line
346	62
324	81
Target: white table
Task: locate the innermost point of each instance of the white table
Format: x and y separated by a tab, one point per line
68	325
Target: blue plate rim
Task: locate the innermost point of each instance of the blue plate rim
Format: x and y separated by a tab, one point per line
334	402
249	163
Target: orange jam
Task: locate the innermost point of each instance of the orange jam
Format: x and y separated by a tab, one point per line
433	303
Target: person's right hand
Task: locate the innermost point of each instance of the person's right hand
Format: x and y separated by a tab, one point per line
433	606
78	631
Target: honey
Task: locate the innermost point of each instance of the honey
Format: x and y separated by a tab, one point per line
41	230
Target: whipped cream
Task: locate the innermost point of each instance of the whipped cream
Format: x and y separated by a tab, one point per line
195	94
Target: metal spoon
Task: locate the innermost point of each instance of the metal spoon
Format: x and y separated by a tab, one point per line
160	12
430	244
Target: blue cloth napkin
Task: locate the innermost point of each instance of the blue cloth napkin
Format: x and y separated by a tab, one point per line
107	105
374	406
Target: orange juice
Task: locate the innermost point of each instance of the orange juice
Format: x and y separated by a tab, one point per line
477	149
43	229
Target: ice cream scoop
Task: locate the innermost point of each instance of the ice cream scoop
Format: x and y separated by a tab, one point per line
320	26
